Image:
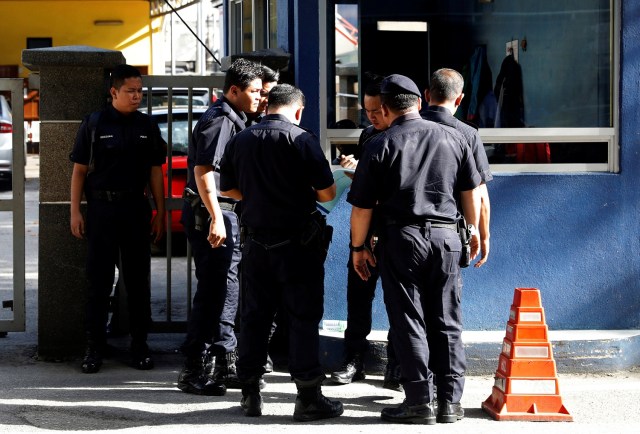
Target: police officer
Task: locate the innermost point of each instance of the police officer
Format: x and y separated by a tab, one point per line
280	171
444	96
212	227
412	171
269	78
360	293
117	153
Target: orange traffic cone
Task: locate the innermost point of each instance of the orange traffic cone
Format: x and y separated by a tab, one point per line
526	385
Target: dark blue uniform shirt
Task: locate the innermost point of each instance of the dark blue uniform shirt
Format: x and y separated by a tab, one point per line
413	170
125	147
210	136
442	115
276	165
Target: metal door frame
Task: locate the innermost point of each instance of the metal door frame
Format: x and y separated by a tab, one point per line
16	206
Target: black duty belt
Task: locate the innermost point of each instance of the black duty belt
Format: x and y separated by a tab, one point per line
408	222
452	226
227	204
115	196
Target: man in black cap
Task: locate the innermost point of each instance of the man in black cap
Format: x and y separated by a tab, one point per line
411	173
444	96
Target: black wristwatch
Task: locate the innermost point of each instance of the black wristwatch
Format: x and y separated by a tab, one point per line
357	248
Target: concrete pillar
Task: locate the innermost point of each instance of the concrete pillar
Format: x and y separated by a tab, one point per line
73	83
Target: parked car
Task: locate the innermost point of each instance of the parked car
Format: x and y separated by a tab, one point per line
179	146
6	141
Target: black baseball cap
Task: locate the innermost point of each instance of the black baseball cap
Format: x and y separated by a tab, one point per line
397	84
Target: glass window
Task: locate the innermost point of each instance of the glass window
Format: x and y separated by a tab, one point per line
247	25
273	24
543	65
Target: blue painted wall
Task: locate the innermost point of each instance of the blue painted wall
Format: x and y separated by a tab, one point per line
575	237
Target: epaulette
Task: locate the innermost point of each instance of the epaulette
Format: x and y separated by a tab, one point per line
471	124
308	130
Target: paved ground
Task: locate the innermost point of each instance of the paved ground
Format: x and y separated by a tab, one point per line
37	396
40	396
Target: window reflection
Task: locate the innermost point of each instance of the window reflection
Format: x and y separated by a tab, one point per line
543	64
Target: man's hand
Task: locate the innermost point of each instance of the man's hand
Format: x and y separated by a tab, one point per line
484	248
77	224
217	231
474	243
348	162
157	226
361	262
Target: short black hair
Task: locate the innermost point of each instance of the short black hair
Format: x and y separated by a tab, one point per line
399	102
372	83
121	72
269	75
241	73
284	95
446	85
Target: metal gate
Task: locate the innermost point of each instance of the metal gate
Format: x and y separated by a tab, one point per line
12	213
176	96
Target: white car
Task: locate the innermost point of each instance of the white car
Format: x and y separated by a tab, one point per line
6	141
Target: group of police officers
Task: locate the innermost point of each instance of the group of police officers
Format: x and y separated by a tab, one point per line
254	181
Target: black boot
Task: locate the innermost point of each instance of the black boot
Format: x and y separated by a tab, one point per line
311	404
392	376
424	414
351	370
92	360
449	412
251	401
193	378
224	371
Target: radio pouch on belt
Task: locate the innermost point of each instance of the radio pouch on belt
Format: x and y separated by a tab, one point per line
200	213
465	239
317	233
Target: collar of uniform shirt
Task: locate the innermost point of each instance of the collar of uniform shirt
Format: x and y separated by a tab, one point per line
406	117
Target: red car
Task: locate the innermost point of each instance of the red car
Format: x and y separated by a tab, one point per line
179	142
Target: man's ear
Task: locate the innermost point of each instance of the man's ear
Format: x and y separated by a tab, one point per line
427	96
298	114
113	92
385	110
459	99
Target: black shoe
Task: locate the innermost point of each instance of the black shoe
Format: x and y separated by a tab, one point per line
92	360
449	412
392	378
424	414
351	370
192	380
142	362
140	356
251	401
311	404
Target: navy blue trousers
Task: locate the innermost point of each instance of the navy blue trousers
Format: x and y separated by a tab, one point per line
289	279
420	271
118	231
215	303
360	295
